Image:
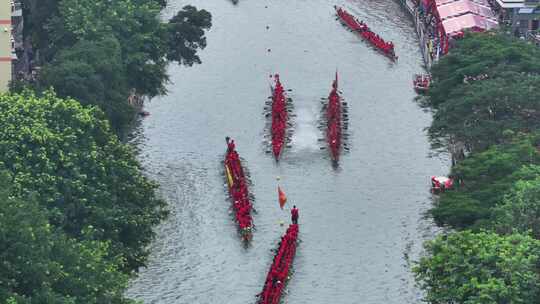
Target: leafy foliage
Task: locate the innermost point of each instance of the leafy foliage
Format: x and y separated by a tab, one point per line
489	107
92	72
478	268
42	265
487	176
80	172
520	210
496	118
476	113
494	54
186	35
79	33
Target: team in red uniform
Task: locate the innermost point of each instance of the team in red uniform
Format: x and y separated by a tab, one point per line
281	266
238	190
279	118
333	116
360	27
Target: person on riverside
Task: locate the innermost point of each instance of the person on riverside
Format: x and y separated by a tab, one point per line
294	215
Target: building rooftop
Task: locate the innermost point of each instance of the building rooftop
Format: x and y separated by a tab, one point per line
518	3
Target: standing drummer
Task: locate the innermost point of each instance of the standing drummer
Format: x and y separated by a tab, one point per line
294	215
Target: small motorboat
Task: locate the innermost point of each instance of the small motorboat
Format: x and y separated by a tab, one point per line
421	83
441	183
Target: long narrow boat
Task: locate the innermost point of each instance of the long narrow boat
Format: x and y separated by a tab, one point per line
359	27
238	190
279	118
333	117
279	272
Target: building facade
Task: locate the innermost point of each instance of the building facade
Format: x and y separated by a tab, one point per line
6	45
522	16
11	40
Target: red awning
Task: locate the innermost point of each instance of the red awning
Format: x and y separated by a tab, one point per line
469	21
462	7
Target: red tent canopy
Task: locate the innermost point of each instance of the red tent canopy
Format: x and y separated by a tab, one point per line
469	21
462	7
454	16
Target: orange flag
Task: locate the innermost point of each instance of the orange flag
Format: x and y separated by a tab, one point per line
282	197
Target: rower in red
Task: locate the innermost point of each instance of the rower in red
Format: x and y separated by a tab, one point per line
230	144
294	215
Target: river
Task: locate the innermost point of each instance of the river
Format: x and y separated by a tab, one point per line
361	225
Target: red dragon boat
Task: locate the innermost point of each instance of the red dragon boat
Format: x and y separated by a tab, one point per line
279	118
387	48
333	116
238	190
279	272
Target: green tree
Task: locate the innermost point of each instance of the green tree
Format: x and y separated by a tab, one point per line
80	172
145	41
487	177
186	35
487	108
477	112
480	268
520	210
37	14
42	265
495	54
74	35
93	73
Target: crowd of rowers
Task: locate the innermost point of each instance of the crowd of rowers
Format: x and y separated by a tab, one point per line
281	265
279	117
238	188
283	259
363	29
334	120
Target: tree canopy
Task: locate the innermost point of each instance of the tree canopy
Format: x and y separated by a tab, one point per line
520	209
42	265
477	112
92	72
485	98
480	268
79	35
486	178
66	155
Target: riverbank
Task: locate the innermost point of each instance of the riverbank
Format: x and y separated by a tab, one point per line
483	99
425	44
